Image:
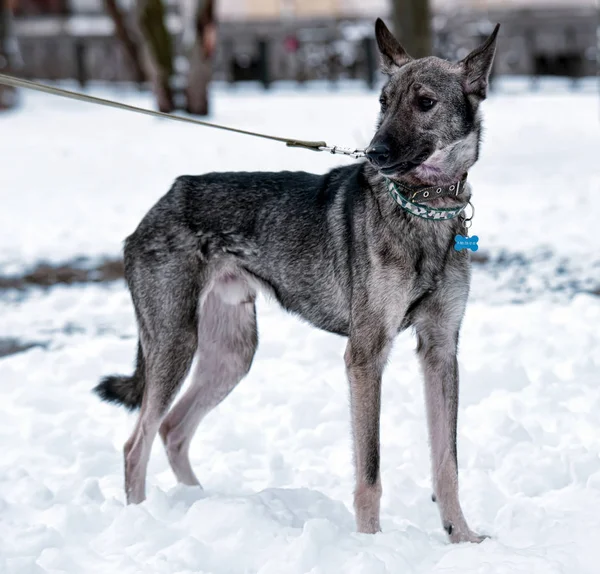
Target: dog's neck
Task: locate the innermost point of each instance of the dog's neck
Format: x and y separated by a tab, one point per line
413	185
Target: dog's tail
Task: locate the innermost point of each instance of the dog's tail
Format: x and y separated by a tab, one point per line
122	390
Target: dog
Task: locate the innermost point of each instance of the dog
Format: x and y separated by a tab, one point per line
364	251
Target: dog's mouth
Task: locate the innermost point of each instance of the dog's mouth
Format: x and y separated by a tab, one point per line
403	167
399	168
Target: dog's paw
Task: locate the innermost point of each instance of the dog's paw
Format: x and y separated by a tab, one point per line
469	536
477	538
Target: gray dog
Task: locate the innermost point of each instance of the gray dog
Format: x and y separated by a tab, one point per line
364	251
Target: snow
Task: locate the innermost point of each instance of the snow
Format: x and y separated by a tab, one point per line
275	458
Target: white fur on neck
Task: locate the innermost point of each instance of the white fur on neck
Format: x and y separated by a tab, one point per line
448	163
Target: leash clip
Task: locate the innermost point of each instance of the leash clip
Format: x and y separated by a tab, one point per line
352	152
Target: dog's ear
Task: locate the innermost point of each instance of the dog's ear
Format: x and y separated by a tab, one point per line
393	55
478	65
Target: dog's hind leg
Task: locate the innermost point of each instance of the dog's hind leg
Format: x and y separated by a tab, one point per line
166	307
227	340
167	366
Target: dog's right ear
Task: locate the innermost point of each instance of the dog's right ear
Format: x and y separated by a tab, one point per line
393	55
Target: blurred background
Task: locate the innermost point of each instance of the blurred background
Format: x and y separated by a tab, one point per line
176	47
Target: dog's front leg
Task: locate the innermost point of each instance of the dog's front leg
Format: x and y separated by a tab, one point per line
437	347
365	357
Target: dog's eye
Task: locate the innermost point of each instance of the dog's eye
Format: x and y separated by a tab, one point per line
384	105
425	104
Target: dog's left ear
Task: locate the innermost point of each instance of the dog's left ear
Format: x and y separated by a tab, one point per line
478	65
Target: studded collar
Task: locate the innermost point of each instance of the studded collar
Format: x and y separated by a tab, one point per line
425	194
411	199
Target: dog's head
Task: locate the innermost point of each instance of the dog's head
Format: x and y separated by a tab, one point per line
429	126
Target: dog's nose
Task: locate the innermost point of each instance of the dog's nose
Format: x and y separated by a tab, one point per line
379	154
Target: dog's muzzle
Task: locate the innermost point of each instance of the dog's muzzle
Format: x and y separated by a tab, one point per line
378	154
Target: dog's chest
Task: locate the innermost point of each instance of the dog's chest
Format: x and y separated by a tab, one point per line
404	271
416	271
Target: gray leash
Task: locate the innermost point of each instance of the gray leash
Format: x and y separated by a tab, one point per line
311	145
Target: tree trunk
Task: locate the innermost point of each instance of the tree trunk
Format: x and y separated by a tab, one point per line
200	58
158	50
125	37
412	23
7	94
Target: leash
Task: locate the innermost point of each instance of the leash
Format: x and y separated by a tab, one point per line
311	145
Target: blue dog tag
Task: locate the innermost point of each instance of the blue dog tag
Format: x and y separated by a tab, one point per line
466	243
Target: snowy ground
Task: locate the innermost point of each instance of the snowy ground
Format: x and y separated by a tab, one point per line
274	458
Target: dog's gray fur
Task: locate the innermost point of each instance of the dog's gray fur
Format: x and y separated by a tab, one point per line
334	249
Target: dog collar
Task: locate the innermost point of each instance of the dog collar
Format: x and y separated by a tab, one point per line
414	204
424	194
